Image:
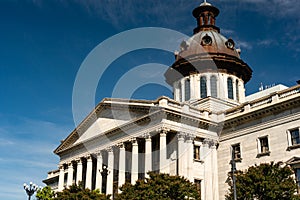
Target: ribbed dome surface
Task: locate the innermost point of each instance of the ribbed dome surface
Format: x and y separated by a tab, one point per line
209	41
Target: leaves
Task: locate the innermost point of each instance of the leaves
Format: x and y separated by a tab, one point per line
264	181
159	187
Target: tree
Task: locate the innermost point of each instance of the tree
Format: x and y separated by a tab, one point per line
75	192
45	194
264	181
159	187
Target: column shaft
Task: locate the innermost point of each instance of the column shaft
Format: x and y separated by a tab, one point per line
89	169
180	156
163	162
61	179
122	165
79	172
135	162
98	172
70	174
190	159
148	155
110	168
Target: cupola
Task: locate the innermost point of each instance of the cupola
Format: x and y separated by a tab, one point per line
208	64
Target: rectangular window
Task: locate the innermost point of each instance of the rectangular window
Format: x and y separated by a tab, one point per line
196	152
295	136
198	185
264	145
236	152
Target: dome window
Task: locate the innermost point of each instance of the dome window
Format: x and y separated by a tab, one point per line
230	44
206	40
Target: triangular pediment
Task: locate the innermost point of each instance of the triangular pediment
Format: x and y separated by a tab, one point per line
293	161
108	114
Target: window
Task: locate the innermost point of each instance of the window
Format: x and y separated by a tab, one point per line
198	185
237	90
196	152
230	88
203	87
187	89
213	86
236	152
263	146
295	136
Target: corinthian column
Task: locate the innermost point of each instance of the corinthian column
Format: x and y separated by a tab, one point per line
110	168
135	162
163	162
98	172
180	156
79	171
61	178
148	154
70	174
89	169
122	165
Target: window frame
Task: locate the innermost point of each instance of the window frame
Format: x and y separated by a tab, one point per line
260	146
187	87
230	92
291	144
214	86
203	87
233	152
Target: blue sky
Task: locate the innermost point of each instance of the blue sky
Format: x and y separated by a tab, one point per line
44	42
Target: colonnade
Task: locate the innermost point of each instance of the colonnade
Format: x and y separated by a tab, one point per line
98	170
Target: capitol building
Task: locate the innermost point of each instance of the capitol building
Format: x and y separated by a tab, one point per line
209	122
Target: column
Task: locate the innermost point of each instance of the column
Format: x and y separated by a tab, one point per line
110	168
208	182
148	155
215	179
122	165
163	162
89	169
190	158
98	172
70	174
79	171
61	179
135	162
180	152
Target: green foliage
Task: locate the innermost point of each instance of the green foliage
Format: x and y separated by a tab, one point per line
159	187
45	194
264	181
80	193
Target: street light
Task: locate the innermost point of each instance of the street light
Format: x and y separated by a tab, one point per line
30	189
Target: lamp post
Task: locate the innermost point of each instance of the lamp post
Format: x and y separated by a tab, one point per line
30	189
233	170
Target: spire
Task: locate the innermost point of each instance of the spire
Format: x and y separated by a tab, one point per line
205	15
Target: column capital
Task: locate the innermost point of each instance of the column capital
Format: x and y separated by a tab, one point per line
109	149
133	140
210	143
98	154
89	157
78	160
121	145
147	136
190	137
163	130
61	166
181	135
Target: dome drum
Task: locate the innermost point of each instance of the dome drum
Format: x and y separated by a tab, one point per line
205	62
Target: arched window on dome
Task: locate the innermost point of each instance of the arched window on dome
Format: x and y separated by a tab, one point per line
230	88
237	90
213	86
187	89
203	87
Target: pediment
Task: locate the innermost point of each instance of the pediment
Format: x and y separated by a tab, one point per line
293	161
108	115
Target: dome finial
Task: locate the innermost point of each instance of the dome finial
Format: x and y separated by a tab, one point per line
205	3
